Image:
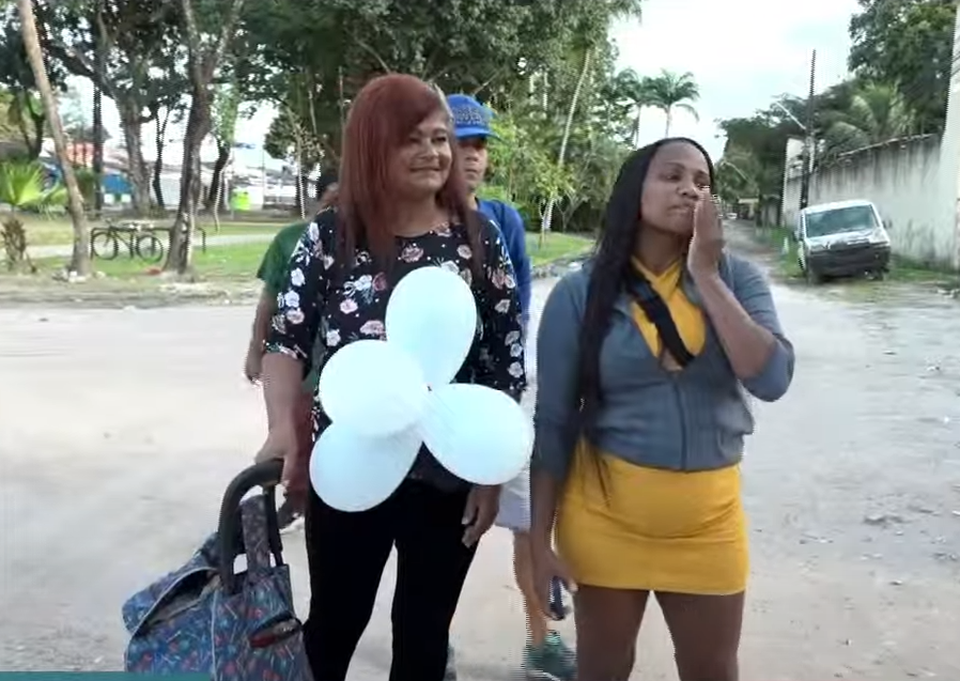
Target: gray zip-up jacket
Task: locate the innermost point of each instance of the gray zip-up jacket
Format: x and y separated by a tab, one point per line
689	420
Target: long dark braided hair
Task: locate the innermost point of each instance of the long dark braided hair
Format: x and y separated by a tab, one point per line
612	272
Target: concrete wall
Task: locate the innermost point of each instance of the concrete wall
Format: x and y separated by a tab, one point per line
915	182
903	178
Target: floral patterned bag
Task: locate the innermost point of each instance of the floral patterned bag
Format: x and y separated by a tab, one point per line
206	618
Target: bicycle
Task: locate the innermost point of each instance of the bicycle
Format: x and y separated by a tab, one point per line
105	242
149	248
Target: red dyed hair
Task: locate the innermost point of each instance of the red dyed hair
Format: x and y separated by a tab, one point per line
383	115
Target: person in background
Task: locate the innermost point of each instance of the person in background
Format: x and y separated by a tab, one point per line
272	272
402	205
545	654
644	358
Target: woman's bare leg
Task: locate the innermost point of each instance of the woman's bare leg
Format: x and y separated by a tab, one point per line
706	634
608	622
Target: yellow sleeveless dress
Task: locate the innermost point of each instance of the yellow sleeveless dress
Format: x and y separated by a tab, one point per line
655	529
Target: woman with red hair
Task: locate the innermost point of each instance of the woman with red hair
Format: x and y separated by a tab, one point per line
402	205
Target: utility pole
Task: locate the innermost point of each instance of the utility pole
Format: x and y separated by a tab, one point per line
808	140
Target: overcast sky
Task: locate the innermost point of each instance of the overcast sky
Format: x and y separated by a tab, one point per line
742	53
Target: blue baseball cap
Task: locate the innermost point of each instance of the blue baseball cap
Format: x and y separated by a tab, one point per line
470	117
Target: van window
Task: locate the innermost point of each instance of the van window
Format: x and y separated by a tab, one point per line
839	220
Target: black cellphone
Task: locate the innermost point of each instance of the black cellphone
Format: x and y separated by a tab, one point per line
558	610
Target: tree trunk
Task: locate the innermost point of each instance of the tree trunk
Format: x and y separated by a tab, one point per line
180	252
214	199
201	65
158	163
666	131
223	158
98	150
136	167
80	262
98	63
215	195
636	130
217	198
565	140
196	190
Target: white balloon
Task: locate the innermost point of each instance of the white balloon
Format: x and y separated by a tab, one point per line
477	433
373	387
355	473
432	315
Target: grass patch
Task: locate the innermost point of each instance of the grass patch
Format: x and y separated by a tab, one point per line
58	231
556	246
779	241
223	270
237	262
230	263
907	270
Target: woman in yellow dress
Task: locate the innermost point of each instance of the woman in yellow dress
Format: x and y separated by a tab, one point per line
643	359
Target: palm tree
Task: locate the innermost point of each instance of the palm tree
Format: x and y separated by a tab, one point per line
636	93
22	188
670	91
875	113
80	262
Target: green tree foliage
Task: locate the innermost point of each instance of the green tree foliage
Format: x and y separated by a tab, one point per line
873	114
8	127
907	44
142	55
755	148
849	116
522	169
524	59
21	108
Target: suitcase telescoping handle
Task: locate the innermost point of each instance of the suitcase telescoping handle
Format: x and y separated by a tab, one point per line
230	531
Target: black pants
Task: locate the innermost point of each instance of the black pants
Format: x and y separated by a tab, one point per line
347	553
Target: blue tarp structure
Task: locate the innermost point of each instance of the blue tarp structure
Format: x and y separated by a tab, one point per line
113	182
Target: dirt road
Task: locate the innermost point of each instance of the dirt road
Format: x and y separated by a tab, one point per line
119	429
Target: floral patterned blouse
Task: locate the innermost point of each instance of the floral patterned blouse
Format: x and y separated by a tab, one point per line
313	306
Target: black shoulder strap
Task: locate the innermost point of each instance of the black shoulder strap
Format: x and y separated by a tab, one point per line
657	312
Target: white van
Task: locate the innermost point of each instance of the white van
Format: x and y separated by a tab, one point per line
843	238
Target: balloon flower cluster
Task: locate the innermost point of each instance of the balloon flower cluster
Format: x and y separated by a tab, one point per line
387	398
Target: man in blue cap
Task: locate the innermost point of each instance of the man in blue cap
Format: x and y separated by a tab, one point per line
545	655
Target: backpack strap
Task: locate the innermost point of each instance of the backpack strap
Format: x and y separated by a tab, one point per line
659	314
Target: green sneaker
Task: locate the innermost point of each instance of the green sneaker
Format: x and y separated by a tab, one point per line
553	661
